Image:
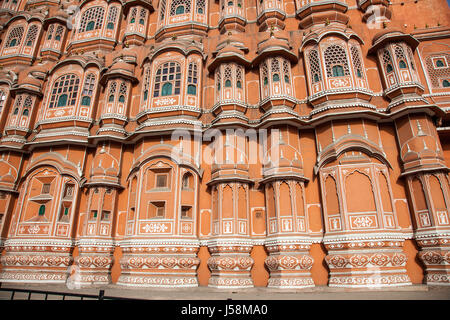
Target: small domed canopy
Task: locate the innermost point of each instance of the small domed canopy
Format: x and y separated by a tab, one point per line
274	46
392	35
337	30
230	52
185	47
131	3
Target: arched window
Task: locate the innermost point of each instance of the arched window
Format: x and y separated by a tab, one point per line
402	64
439	63
112	91
238	84
264	71
16	111
180	7
133	15
314	66
445	83
286	71
356	60
387	61
228	83
14	37
112	16
122	92
146	84
50	32
168	77
88	89
162	11
192	79
2	100
59	32
42	210
31	35
336	61
142	16
65	90
25	112
186	182
200	4
92	19
275	70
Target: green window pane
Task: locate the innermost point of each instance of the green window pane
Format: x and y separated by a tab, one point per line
166	89
191	89
62	100
86	101
180	10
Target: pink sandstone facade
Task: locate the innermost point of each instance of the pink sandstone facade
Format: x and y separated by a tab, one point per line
225	143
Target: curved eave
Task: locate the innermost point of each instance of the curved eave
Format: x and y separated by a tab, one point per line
320	35
123	74
28	18
228	57
275	51
394	37
145	4
229	179
26	88
80	61
82	3
283	176
174	47
54	19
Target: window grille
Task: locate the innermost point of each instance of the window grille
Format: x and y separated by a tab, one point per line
92	19
356	60
65	90
439	77
167	79
314	65
192	79
335	55
176	4
31	35
15	37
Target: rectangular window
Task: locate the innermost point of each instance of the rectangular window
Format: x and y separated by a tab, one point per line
105	215
46	188
161	180
185	212
157	209
93	215
69	191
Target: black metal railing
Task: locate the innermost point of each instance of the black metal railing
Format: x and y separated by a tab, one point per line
63	295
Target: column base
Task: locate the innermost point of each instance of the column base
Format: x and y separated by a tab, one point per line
177	269
230	267
435	255
367	264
